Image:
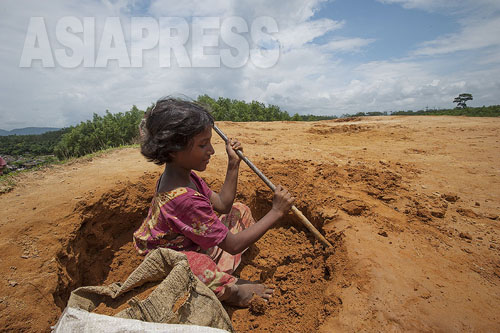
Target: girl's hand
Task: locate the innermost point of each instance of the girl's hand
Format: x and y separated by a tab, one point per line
232	146
282	200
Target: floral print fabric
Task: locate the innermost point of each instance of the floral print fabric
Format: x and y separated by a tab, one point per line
181	219
215	267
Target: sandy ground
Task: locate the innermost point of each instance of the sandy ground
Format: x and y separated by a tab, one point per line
410	204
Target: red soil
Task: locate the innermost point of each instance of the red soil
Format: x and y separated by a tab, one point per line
410	204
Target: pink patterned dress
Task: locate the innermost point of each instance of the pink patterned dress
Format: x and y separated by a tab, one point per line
183	219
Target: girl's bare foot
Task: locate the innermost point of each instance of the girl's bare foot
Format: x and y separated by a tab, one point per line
240	294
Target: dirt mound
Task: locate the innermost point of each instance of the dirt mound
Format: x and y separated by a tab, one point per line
300	270
347	119
323	129
100	249
287	257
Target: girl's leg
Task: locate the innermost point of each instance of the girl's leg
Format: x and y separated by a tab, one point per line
226	287
207	271
235	292
238	219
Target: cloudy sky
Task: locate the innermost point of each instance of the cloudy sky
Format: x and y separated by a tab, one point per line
334	57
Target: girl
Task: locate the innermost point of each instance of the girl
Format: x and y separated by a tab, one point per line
177	133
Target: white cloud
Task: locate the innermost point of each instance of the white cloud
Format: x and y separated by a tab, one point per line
190	8
474	35
422	4
347	44
449	6
297	36
479	20
315	72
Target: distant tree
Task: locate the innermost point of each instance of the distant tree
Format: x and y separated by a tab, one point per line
41	144
462	99
236	110
110	130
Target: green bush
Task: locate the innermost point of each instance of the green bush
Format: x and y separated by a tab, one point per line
110	130
225	109
41	144
483	111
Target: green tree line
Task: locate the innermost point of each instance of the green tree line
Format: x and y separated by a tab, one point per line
225	109
41	144
482	111
110	130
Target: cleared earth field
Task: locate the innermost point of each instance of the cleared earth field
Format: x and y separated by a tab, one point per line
410	204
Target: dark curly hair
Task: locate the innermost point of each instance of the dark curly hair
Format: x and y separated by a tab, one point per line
170	126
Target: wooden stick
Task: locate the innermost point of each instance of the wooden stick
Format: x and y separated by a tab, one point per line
297	212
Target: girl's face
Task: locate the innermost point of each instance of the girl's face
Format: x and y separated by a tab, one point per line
196	155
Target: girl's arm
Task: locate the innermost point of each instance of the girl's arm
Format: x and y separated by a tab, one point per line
223	201
236	243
